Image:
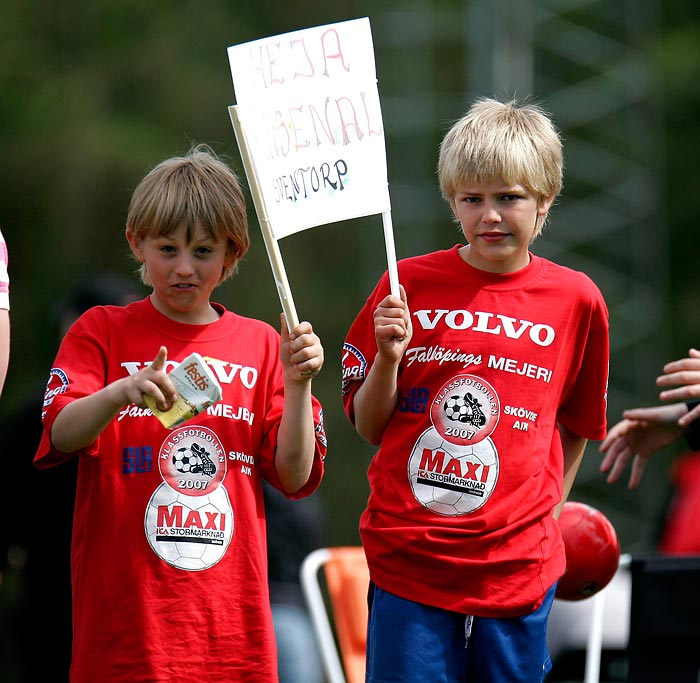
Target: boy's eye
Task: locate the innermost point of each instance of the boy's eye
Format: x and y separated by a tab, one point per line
471	200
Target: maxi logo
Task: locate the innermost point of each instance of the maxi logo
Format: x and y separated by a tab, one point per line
169	517
190	533
442	463
452	479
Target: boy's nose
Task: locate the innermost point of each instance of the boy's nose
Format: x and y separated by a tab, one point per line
491	215
184	265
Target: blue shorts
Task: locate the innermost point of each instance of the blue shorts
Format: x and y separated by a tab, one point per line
412	643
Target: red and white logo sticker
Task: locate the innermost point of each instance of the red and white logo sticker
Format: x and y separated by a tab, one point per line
354	367
452	479
192	460
57	384
189	532
465	410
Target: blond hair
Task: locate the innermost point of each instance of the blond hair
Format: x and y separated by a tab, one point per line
197	189
516	142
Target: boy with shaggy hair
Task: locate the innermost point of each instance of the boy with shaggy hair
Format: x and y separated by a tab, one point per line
481	384
168	553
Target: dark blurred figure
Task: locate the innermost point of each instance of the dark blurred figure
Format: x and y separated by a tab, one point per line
294	529
36	509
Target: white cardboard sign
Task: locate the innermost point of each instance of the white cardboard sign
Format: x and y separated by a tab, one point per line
309	106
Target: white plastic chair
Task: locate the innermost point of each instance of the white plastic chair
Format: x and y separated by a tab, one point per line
346	580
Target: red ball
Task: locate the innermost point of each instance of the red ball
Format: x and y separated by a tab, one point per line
592	551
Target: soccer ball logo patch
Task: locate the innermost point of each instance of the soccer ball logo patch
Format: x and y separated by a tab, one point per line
189	532
465	409
189	518
452	479
454	466
194	459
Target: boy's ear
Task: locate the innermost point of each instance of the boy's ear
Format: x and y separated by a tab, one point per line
545	204
135	243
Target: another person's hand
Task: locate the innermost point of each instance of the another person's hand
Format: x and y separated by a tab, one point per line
684	374
641	433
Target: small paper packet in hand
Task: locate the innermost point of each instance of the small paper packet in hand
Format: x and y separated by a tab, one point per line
197	388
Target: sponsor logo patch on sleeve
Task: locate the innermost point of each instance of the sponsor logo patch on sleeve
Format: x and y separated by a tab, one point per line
354	367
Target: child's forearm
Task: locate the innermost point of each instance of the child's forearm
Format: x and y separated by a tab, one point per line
4	345
296	441
573	447
375	401
83	420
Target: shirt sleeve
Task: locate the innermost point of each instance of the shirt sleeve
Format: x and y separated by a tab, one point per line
584	408
360	347
79	370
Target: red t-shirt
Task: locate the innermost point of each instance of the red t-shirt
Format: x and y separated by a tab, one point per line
470	464
169	566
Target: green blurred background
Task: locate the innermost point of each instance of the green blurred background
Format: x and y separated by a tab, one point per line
94	94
